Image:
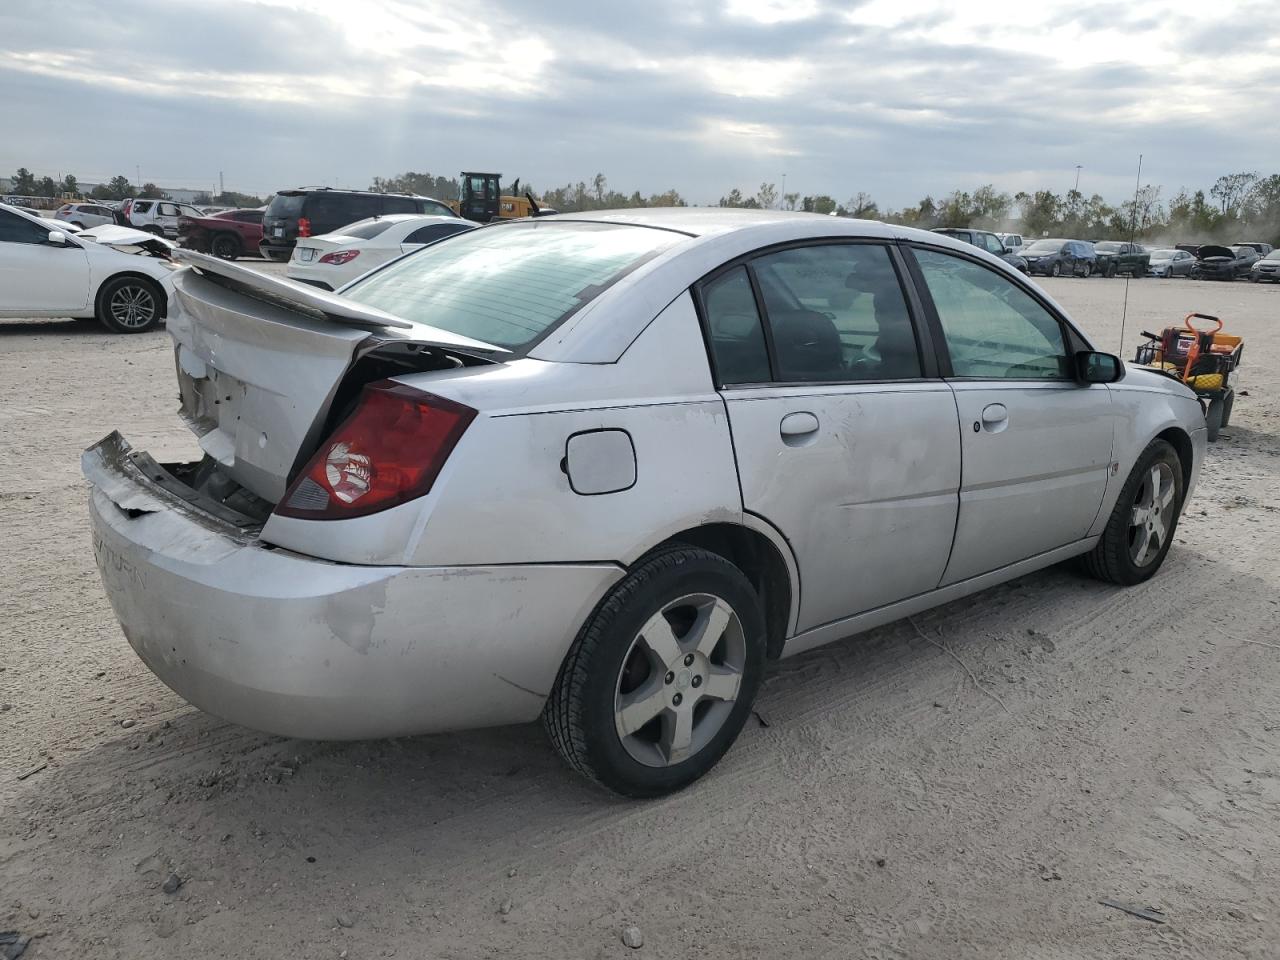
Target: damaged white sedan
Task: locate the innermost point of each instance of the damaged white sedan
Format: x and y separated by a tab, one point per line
602	468
120	275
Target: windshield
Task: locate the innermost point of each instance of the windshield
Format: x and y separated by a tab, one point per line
365	229
508	285
1164	254
1045	246
1243	249
1107	246
1273	255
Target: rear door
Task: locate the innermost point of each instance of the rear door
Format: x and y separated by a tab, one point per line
846	440
1036	445
167	217
37	276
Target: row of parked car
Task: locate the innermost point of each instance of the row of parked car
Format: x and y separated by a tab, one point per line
1056	257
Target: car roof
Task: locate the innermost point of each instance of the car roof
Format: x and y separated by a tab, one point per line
703	221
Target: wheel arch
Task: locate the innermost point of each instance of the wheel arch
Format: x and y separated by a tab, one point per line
1180	440
155	284
765	558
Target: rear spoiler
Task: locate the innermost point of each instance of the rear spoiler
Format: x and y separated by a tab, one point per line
336	308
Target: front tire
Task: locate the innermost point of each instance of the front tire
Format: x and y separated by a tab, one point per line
129	305
1138	534
662	676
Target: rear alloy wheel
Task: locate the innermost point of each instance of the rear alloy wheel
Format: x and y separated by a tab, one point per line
1055	270
225	247
659	682
1087	270
129	305
1138	534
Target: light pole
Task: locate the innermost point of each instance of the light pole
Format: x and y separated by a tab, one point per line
1076	188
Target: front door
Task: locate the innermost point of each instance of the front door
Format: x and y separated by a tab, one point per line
842	442
1036	445
38	277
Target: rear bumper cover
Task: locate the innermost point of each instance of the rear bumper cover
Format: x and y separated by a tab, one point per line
302	647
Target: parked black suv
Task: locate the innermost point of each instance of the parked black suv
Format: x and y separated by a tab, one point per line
309	212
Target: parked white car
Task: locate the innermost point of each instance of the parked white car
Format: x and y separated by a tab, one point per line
83	215
158	216
600	468
119	275
335	259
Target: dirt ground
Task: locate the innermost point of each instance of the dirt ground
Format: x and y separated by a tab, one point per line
1068	742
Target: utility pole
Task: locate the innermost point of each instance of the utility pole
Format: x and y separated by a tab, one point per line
221	186
1076	188
784	188
137	172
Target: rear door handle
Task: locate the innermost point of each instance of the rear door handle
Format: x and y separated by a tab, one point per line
798	424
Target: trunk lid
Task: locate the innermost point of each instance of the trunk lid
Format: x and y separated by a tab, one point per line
260	360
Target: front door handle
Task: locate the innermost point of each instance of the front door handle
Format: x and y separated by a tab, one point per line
797	425
995	417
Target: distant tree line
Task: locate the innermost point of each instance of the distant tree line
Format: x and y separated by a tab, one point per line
1237	206
27	184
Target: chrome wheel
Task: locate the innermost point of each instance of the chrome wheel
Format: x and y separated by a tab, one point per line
679	680
1152	515
132	307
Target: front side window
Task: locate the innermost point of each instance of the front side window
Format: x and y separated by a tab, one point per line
836	313
16	229
400	205
993	328
993	243
168	210
733	326
508	285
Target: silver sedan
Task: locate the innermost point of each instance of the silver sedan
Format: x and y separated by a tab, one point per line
602	468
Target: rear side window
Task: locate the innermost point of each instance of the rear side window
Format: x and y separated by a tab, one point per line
140	206
434	231
837	313
401	205
508	285
993	328
367	229
733	326
329	211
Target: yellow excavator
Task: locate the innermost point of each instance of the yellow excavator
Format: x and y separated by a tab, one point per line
483	201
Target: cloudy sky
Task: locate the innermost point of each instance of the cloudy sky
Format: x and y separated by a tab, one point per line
895	97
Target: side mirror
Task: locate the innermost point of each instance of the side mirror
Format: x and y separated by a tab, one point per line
57	238
1094	367
1006	250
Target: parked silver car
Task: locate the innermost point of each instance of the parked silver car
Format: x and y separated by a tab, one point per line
600	468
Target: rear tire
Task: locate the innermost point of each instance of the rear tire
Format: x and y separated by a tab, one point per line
129	305
1087	270
225	246
1142	524
152	228
633	706
1055	270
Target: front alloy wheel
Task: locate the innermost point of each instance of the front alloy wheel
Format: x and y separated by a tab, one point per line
1140	529
1151	515
661	678
129	305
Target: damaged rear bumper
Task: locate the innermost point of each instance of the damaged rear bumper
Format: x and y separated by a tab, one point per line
302	647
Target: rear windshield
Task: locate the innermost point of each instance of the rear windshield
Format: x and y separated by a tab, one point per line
286	205
366	229
508	285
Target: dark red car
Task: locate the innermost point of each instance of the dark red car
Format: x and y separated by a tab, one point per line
230	234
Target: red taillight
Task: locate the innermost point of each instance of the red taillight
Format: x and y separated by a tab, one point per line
388	451
304	227
340	257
